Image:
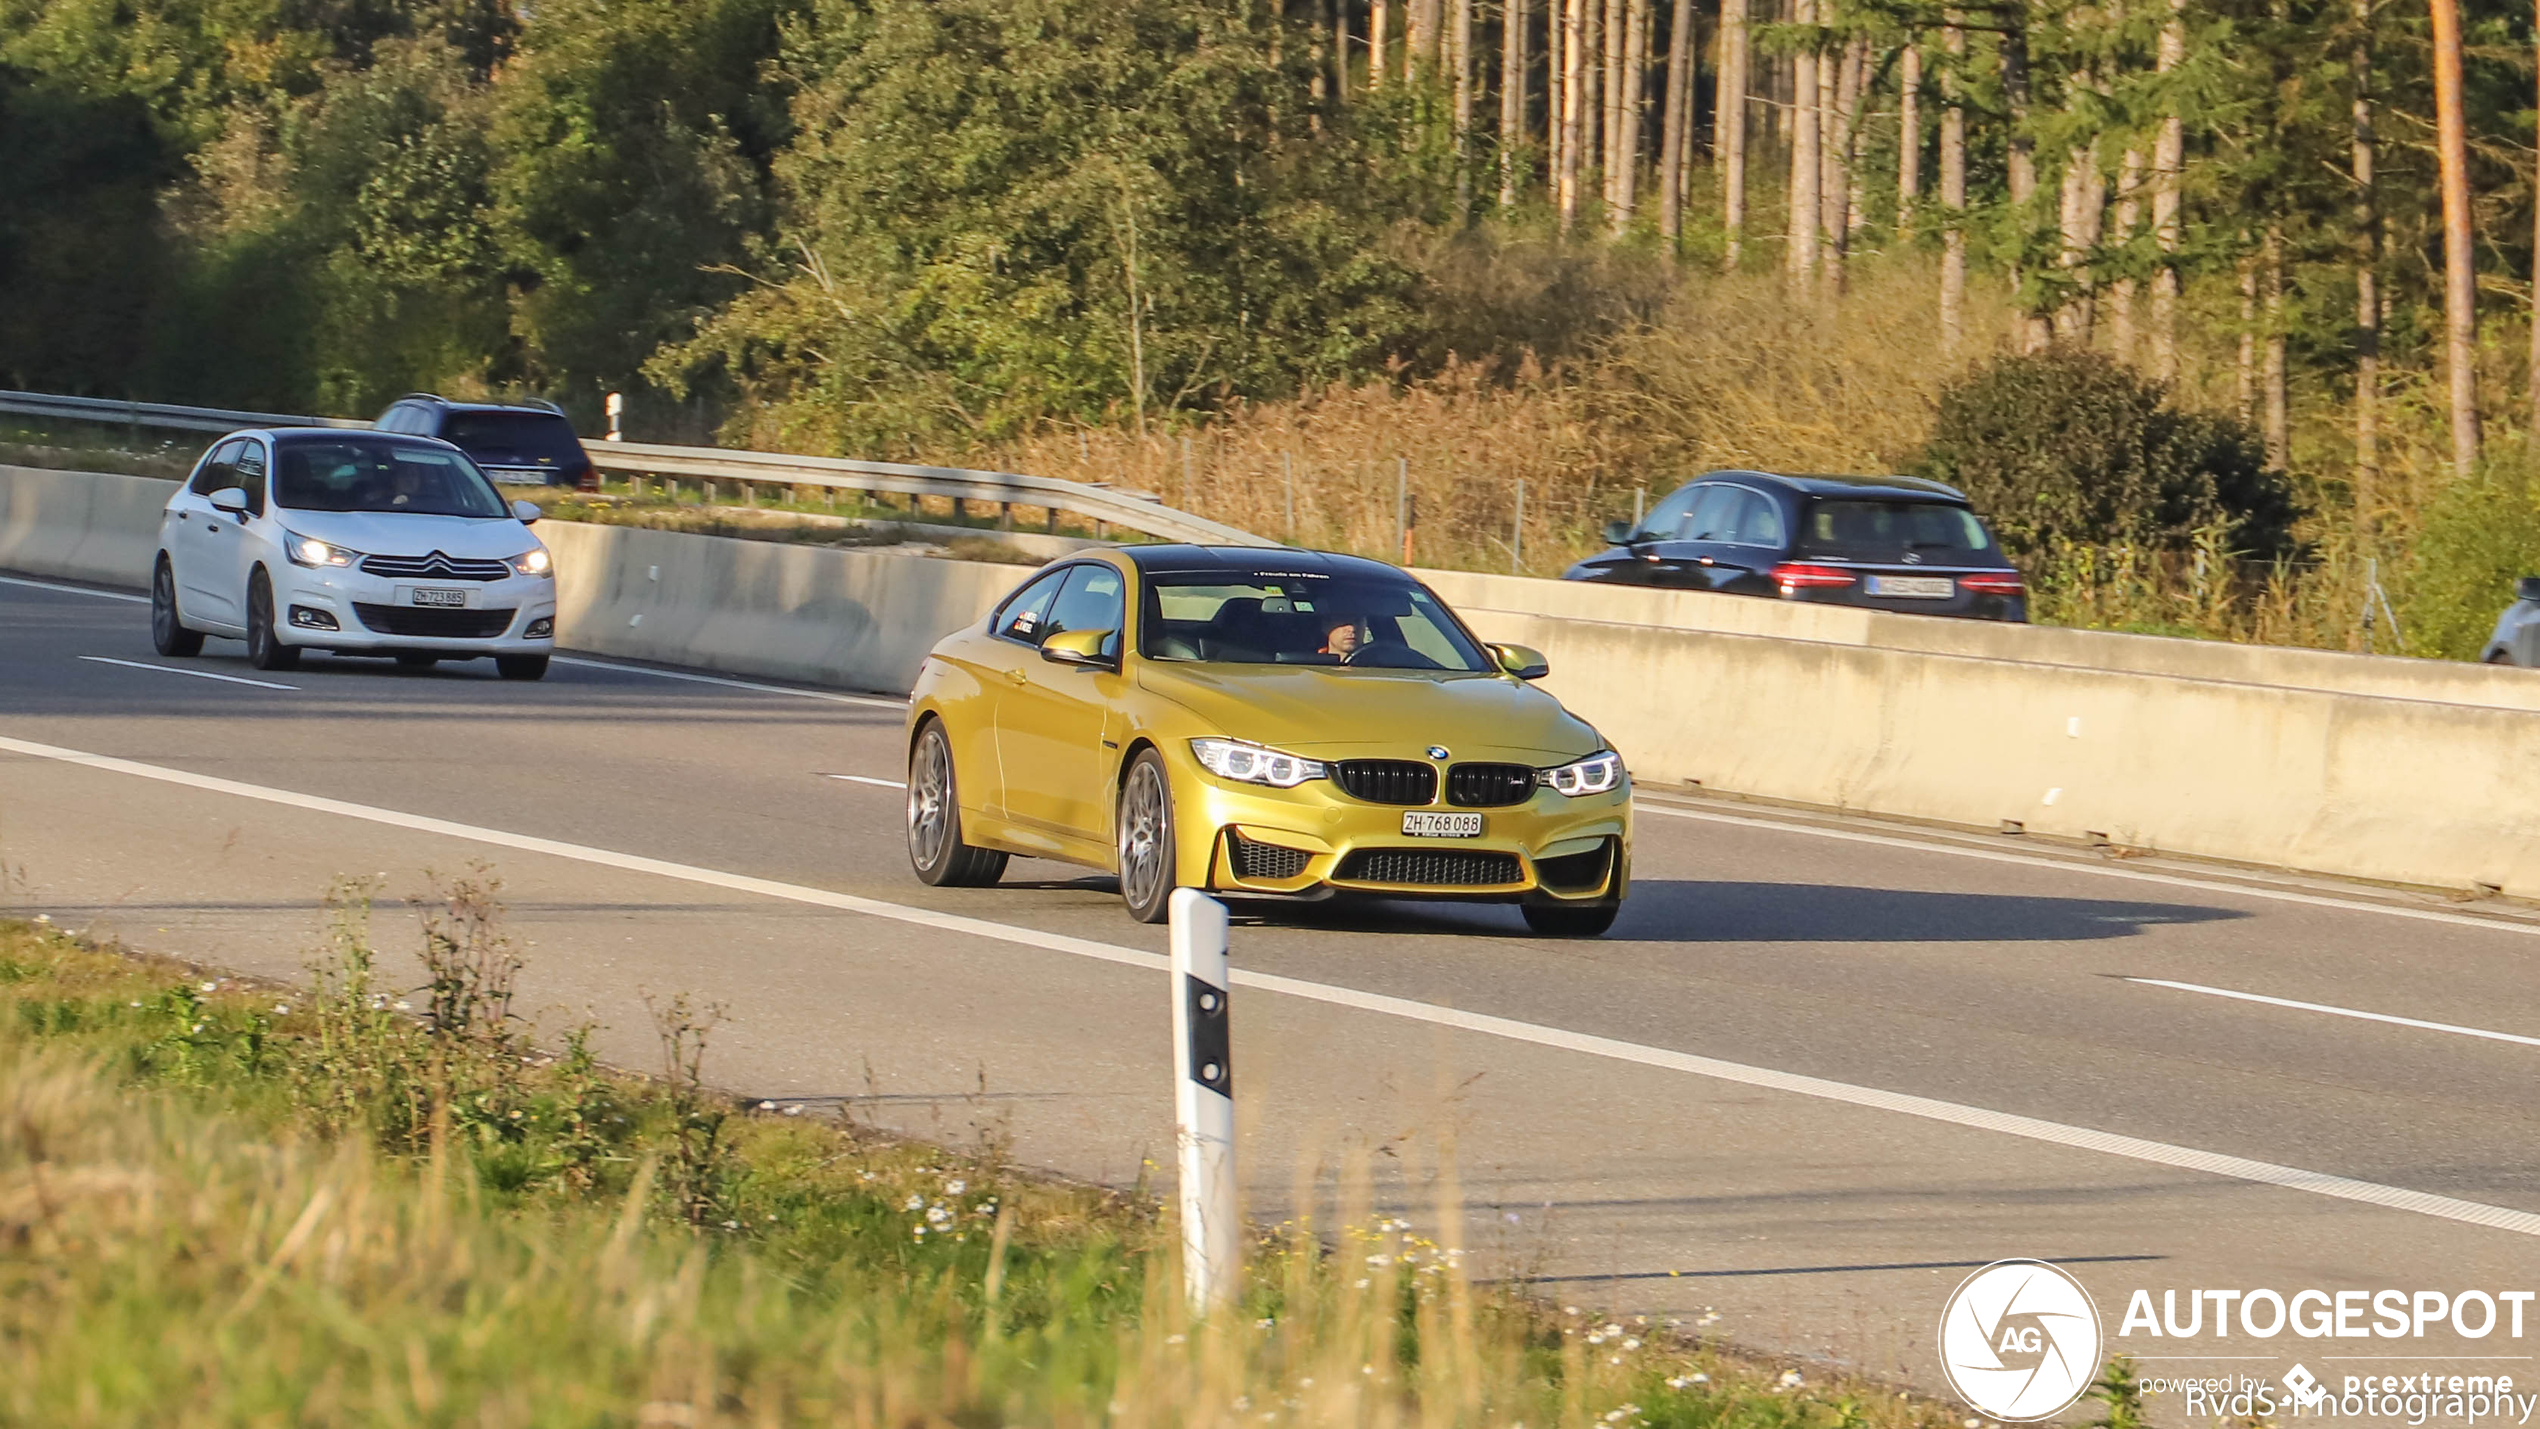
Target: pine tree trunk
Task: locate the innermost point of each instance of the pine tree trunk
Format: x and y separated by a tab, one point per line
1592	99
2275	401
1838	82
1953	190
2129	217
1459	61
2169	165
2367	285
1909	132
1318	89
1728	125
1627	113
1610	111
1379	16
1676	125
1512	98
1806	184
2083	209
1338	17
1573	101
2460	275
1857	78
1555	93
2021	163
2244	372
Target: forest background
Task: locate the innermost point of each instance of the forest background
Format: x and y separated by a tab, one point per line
2167	284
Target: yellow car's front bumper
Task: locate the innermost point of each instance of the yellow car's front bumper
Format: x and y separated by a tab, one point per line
1315	838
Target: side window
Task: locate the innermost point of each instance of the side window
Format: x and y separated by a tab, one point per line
1091	600
251	475
400	418
1759	520
1025	614
1667	515
1711	515
218	471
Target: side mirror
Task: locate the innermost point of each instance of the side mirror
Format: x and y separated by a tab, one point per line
1522	661
526	512
1080	647
1619	533
2528	588
232	499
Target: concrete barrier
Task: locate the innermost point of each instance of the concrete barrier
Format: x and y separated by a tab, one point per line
80	525
2408	771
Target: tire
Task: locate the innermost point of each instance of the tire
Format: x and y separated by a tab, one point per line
521	667
1147	871
1584	920
935	846
168	634
416	661
265	649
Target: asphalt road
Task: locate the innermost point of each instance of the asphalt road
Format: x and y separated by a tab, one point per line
1822	1068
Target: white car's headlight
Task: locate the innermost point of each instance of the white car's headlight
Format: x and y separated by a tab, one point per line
534	562
1599	773
1252	764
311	552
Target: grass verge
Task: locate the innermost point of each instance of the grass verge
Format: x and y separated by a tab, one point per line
222	1202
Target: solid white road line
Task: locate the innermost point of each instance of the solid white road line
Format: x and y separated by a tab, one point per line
2131	875
873	700
863	779
72	589
2339	1011
181	670
2029	1128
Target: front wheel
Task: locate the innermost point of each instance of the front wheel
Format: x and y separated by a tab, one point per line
521	667
1589	920
935	847
1147	873
265	649
168	634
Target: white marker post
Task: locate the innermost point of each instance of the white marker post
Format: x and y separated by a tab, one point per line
1204	1101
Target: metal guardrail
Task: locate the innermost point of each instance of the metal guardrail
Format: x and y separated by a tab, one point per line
1103	505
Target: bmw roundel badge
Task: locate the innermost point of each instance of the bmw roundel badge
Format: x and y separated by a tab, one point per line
1437	751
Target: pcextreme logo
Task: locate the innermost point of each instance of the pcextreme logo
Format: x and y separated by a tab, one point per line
2020	1340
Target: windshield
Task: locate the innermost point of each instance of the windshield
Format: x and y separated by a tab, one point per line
1279	618
368	474
517	435
1890	530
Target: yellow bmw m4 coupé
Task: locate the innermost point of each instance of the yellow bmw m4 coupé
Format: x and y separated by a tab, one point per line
1261	722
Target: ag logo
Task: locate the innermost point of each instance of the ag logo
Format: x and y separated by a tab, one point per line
2020	1340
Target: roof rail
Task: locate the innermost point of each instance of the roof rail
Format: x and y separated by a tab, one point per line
425	396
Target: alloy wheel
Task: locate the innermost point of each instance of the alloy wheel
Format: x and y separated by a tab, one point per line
929	799
1145	853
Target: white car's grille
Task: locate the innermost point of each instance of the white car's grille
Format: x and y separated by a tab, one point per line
436	567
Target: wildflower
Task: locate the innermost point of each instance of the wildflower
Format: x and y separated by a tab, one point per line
209	986
1380	1261
1361	1285
198	1026
404	1006
1791	1379
795	1110
1631	1344
914	1203
937	1215
515	1114
1707	1319
1175	1339
727	1225
282	1009
1264	1323
767	1106
136	1004
1569	1309
43	917
955	1186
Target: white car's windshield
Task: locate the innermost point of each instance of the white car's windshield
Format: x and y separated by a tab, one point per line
1239	618
365	473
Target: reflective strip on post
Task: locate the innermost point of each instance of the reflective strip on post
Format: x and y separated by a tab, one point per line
1203	1101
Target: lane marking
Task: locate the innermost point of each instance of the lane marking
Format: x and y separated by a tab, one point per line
2168	880
2355	1013
72	589
181	670
2029	1128
862	779
873	700
2132	875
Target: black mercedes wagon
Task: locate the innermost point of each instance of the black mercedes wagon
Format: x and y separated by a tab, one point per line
1881	542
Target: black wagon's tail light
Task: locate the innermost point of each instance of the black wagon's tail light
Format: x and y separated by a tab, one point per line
1994	583
1800	575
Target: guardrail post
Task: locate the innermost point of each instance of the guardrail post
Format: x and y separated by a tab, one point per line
1204	1102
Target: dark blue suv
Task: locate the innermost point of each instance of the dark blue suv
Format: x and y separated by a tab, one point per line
1882	542
517	443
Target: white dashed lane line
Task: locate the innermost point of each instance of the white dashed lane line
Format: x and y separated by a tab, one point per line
181	670
867	779
832	696
2356	1013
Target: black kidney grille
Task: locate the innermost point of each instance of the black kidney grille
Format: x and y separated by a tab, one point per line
1266	862
1430	868
435	624
1489	786
1389	781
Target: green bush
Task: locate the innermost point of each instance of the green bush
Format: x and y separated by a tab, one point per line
2068	449
2480	533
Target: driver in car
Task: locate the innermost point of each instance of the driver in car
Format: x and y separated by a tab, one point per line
1340	638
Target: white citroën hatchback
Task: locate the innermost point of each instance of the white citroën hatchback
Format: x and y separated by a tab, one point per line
353	542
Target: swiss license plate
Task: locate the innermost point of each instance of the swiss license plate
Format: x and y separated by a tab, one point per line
1429	824
426	595
1914	587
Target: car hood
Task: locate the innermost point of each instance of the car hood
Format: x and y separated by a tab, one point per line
1370	713
397	533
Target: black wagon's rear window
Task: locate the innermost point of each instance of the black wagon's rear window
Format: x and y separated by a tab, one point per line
1891	530
516	436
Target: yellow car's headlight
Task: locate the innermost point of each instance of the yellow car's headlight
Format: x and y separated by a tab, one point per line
1252	764
1599	773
